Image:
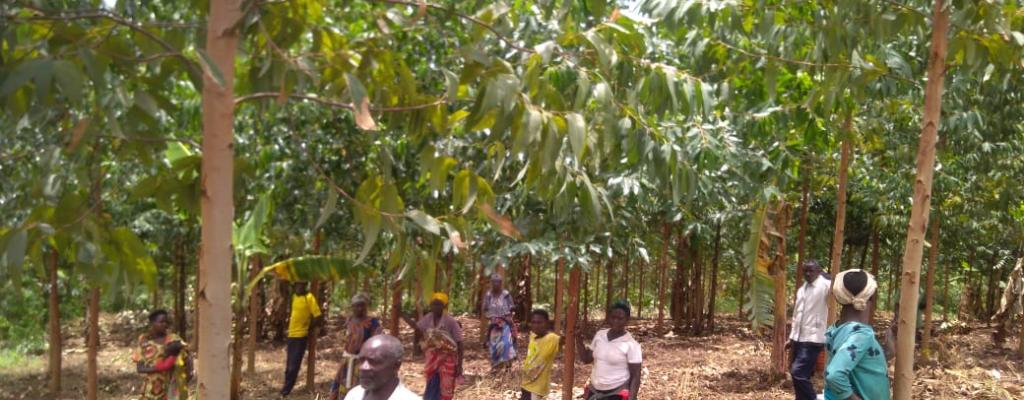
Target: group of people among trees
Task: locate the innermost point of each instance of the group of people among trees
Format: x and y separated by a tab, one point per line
856	367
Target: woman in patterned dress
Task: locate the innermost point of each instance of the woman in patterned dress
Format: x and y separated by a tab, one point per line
151	348
502	332
359	328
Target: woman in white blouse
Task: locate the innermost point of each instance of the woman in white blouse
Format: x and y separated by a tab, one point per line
616	356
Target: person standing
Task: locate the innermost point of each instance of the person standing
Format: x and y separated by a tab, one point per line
359	328
617	359
856	368
807	339
305	314
540	357
379	361
440	337
498	306
162	383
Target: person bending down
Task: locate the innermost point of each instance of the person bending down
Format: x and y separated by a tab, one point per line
856	364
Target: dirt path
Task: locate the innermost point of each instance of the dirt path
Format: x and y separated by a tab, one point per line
728	364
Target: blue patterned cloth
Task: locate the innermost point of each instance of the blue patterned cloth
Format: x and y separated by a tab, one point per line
856	363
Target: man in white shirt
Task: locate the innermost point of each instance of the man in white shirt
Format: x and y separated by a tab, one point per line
810	318
379	361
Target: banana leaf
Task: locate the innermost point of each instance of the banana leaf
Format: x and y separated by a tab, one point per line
309	268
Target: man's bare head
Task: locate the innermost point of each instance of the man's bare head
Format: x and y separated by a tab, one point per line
379	361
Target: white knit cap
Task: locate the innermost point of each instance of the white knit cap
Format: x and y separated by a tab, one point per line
844	297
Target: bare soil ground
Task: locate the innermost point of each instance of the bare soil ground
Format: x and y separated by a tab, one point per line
729	363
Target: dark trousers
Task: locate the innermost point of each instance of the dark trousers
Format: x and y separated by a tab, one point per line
296	349
805	357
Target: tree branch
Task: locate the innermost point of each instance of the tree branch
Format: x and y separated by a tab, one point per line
335	103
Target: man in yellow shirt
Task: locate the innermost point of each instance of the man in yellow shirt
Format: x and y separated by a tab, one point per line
540	357
305	314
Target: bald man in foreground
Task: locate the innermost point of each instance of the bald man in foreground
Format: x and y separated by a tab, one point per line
379	361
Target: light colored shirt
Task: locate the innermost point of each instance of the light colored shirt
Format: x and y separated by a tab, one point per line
856	363
612	359
810	315
540	358
400	393
498	306
304	309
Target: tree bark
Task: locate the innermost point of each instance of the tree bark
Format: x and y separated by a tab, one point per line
53	327
800	254
741	295
640	295
180	286
840	229
714	277
396	308
625	275
922	201
697	296
216	200
569	369
929	290
559	289
666	241
875	260
93	345
254	316
609	284
945	293
314	331
778	271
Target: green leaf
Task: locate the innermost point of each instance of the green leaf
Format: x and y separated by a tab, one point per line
249	238
330	206
70	80
146	103
361	102
17	243
577	134
425	221
211	67
21	74
311	268
605	53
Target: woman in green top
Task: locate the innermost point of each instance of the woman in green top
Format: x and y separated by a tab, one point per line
856	364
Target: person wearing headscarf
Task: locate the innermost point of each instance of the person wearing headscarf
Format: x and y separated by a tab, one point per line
440	337
162	382
497	306
856	364
358	329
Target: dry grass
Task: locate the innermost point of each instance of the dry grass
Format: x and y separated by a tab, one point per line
727	364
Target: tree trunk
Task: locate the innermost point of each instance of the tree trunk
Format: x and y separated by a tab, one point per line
396	308
559	289
741	295
586	300
216	200
892	281
874	266
990	296
679	283
837	238
527	299
481	289
666	241
800	254
713	289
609	284
921	203
93	345
778	272
640	295
180	286
625	276
254	316
696	303
53	327
569	367
929	290
314	331
945	293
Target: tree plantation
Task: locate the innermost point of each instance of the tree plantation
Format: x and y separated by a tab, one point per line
522	199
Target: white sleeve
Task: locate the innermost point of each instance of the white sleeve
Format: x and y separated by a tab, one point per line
634	355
